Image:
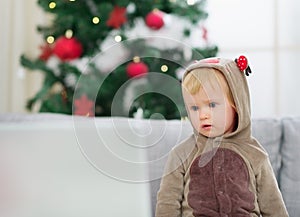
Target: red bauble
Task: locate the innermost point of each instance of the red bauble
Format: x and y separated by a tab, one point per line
134	69
67	48
155	20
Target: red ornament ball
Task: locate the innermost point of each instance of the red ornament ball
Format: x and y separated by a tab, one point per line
242	62
154	20
67	48
134	69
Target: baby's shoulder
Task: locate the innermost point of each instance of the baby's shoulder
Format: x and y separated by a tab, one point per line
185	147
255	153
185	144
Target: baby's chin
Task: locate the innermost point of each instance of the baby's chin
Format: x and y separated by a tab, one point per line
211	134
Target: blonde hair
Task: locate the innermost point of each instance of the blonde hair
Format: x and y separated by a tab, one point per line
193	81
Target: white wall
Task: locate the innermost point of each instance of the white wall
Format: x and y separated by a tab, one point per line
267	32
18	20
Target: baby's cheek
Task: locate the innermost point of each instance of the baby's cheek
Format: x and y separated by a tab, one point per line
220	114
195	122
219	119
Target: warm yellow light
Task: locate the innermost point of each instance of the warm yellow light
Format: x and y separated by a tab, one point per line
96	20
191	2
136	59
52	5
69	33
118	38
72	0
164	68
50	39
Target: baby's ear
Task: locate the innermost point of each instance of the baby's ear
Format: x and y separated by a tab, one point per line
210	60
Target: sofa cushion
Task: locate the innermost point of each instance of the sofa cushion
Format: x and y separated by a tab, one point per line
268	132
290	171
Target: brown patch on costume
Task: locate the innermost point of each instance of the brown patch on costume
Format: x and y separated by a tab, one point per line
221	187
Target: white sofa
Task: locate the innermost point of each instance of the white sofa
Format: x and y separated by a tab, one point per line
56	165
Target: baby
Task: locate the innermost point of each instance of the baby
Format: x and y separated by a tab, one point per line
221	170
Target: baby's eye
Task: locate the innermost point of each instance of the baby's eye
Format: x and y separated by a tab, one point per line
194	108
212	104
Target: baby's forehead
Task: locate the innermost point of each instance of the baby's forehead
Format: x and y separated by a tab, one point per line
211	75
207	90
213	86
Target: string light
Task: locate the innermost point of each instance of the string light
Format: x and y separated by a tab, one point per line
118	38
52	5
50	39
136	59
184	118
69	33
191	2
164	68
72	0
96	20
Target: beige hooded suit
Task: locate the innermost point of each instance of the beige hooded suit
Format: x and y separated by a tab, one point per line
223	176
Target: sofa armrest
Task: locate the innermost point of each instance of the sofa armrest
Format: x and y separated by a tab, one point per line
290	171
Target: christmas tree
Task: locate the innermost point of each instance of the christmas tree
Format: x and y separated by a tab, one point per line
118	58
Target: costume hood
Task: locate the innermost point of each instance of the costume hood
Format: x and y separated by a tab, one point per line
238	86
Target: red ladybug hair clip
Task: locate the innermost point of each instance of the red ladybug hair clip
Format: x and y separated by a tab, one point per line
242	64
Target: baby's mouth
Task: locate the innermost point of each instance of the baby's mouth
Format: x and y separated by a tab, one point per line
206	126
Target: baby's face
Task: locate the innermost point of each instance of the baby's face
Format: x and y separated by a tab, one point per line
210	111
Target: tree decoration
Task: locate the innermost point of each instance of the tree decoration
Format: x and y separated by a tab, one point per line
84	106
136	68
64	96
67	48
117	17
154	19
204	34
131	8
47	52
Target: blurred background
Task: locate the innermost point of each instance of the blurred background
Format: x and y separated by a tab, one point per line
265	31
43	171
